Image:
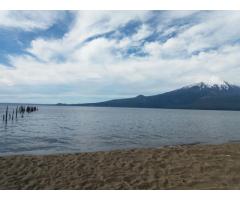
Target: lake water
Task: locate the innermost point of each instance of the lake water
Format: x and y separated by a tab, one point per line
56	129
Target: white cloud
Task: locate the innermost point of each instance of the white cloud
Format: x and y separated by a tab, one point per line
143	32
28	20
87	24
99	65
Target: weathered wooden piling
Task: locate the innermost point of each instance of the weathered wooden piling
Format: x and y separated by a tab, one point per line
28	109
16	111
6	116
22	109
19	110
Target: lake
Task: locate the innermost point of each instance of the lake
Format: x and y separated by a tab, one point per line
62	129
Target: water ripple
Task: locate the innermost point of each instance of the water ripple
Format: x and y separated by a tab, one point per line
56	129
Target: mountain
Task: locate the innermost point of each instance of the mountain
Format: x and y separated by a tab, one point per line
209	96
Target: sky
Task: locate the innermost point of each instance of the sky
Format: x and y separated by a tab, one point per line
91	56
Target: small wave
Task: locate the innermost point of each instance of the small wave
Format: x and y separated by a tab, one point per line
191	144
66	128
234	141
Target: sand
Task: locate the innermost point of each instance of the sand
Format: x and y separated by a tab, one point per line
179	167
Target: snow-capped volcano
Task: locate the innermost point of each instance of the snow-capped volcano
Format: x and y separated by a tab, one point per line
210	95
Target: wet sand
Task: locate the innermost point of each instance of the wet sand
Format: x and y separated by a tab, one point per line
179	167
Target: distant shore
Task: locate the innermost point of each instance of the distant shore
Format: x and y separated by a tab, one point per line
180	167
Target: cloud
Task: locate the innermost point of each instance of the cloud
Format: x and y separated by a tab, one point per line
87	24
143	32
28	20
95	59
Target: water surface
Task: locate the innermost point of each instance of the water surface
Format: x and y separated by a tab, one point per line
60	129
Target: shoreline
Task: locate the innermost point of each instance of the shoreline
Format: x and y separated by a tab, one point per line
105	151
113	150
164	108
194	166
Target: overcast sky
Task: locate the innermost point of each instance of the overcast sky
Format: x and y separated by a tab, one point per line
90	56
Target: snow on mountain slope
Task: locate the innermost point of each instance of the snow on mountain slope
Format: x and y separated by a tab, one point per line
223	85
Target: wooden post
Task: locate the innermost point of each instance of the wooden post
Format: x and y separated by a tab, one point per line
6	115
16	111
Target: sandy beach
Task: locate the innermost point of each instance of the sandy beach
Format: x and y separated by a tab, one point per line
179	167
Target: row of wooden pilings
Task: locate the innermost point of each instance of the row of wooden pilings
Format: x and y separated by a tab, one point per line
19	111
